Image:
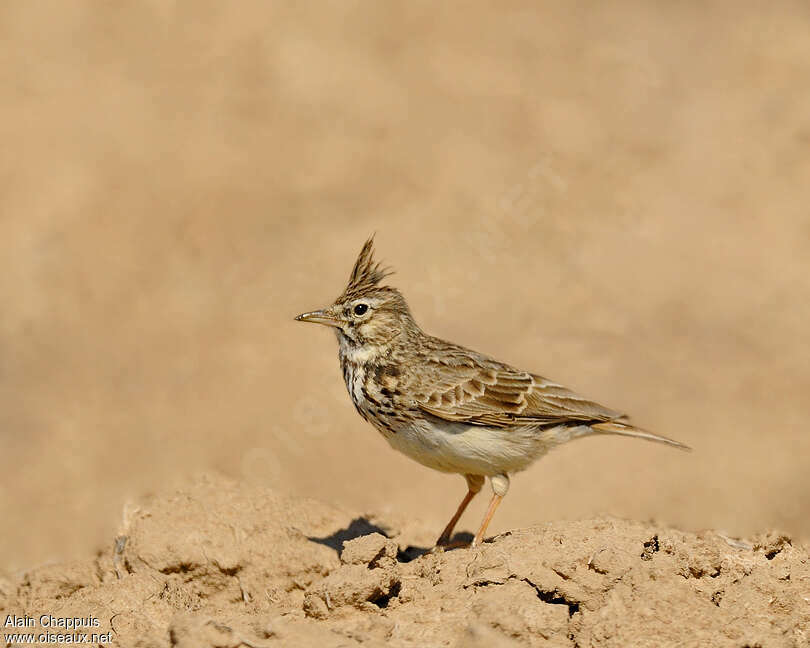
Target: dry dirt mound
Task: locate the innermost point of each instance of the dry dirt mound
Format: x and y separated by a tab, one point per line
221	564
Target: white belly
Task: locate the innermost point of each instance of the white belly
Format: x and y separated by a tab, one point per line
470	449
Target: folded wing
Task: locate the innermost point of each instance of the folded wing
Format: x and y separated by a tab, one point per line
501	396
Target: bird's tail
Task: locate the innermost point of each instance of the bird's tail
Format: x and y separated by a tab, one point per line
625	429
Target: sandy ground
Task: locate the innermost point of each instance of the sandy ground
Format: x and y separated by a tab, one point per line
610	194
219	564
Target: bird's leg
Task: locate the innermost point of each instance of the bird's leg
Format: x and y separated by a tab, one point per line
500	485
474	484
493	504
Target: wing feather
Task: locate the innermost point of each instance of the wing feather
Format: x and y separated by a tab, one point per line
494	394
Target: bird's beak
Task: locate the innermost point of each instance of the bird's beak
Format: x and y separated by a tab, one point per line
318	317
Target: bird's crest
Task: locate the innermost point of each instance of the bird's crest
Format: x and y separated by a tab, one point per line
366	274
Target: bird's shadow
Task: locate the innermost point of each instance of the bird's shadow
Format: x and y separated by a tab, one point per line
357	528
361	526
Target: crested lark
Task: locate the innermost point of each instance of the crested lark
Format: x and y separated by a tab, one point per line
447	407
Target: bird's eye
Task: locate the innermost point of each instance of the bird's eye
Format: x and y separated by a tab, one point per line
360	309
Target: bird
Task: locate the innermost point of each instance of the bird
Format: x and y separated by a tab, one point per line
448	407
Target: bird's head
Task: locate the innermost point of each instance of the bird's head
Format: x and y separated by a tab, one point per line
366	313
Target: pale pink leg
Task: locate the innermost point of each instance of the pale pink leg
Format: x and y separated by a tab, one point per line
474	484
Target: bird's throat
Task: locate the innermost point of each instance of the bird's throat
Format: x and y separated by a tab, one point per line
360	354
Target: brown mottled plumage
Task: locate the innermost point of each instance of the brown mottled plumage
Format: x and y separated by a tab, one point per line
447	407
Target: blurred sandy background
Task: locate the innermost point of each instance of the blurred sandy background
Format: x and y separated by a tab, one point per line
614	195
